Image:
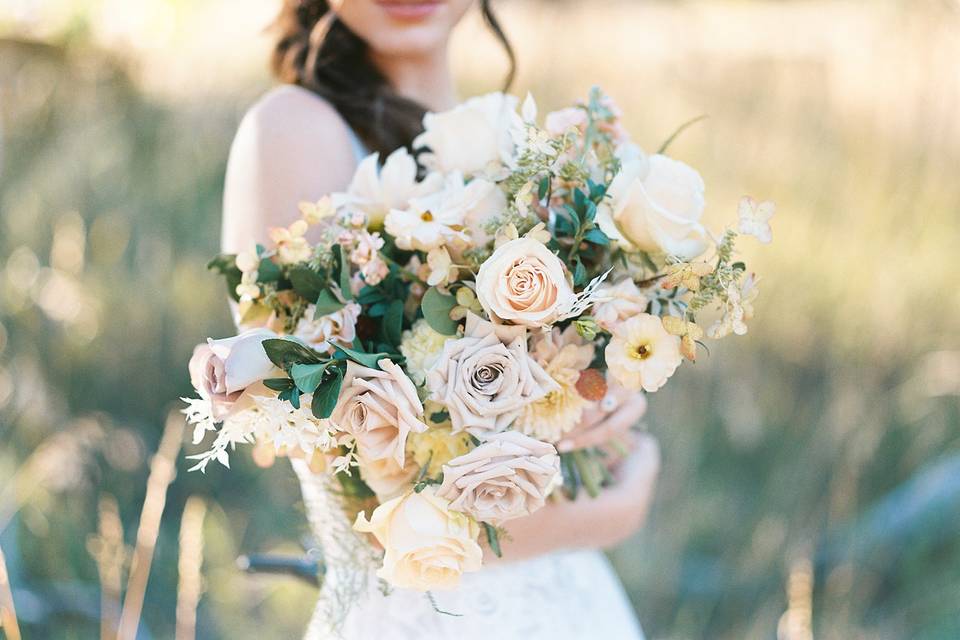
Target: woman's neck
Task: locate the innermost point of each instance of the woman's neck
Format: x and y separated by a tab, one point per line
425	79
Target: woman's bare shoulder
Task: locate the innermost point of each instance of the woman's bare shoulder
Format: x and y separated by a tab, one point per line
291	146
292	115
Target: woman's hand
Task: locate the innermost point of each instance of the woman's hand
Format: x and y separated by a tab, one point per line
596	523
604	423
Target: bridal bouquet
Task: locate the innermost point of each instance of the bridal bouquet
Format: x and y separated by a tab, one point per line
431	333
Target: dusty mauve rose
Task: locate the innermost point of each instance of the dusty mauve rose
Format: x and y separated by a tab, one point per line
485	378
426	545
379	409
338	327
222	370
523	282
508	476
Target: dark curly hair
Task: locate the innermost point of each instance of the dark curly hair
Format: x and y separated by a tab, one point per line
317	51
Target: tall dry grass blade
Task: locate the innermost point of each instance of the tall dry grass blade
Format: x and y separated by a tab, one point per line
108	550
189	588
796	623
162	473
8	613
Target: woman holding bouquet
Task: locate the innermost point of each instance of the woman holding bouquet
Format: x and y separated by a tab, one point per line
358	77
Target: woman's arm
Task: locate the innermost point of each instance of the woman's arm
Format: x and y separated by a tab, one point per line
290	147
594	523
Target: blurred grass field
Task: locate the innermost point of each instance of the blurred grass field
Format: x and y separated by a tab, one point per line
811	477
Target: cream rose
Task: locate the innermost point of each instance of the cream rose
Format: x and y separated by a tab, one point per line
473	137
655	205
525	283
427	546
222	370
641	354
619	302
379	409
486	378
508	476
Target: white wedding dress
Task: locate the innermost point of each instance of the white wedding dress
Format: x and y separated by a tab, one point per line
570	595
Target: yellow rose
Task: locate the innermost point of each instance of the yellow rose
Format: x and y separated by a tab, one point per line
427	547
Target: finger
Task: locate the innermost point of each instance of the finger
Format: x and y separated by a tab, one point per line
618	422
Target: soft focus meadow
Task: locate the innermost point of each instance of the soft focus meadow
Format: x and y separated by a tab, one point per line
811	475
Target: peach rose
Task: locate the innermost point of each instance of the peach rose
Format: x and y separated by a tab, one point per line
486	378
523	282
386	477
379	409
508	476
427	546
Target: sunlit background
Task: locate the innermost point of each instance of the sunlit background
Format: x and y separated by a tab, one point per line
811	476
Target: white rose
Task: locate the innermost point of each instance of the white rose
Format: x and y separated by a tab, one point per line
473	137
427	546
524	282
655	205
386	478
222	370
618	302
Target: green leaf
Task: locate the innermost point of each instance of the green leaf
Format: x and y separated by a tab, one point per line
326	394
596	236
343	272
571	480
226	265
579	199
326	304
574	217
285	353
307	282
292	396
366	359
436	309
268	271
579	274
393	323
543	188
739	266
279	384
440	416
308	376
588	470
591	211
493	538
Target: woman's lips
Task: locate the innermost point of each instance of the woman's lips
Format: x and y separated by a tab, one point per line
409	9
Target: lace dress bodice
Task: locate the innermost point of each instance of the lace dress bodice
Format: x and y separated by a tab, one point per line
558	596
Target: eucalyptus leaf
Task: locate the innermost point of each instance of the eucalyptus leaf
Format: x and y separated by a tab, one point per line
285	353
326	304
343	271
579	274
308	376
596	236
326	394
278	384
393	323
360	357
436	309
268	271
307	282
543	188
493	538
